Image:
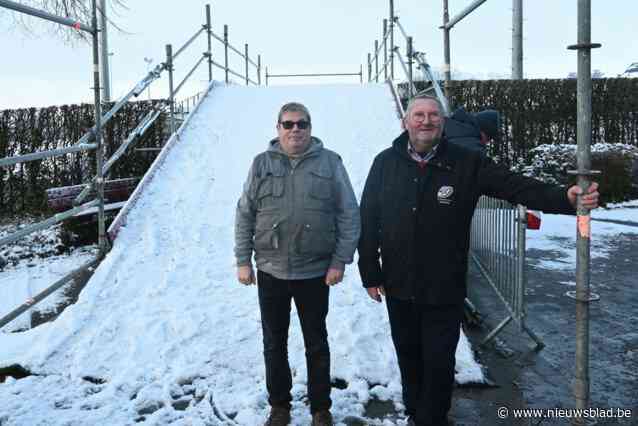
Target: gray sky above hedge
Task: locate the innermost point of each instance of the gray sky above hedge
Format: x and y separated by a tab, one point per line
310	36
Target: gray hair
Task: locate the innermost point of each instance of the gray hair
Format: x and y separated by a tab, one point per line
413	100
293	107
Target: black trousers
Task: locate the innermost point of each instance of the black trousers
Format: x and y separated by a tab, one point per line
425	338
311	299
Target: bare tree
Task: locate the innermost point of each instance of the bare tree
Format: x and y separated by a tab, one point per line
79	10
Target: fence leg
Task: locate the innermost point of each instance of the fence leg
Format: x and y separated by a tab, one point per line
369	68
259	70
497	330
539	342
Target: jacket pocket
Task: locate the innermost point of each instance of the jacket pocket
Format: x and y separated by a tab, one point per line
267	233
321	190
317	235
270	191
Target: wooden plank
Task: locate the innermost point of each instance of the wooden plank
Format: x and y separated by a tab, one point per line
59	199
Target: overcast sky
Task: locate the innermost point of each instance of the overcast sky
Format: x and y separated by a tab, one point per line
308	36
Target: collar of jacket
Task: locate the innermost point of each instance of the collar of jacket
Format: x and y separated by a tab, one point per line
274	146
442	158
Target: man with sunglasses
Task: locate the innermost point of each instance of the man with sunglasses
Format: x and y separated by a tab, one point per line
416	212
299	215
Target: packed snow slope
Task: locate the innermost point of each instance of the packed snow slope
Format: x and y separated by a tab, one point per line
163	332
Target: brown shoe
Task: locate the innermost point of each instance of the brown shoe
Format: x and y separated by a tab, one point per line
322	418
279	416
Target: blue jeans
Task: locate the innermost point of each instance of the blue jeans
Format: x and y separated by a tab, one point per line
311	299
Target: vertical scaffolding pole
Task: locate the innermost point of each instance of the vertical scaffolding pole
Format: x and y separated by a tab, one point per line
209	33
104	51
410	63
517	39
246	55
385	49
584	173
369	68
376	61
259	70
391	29
446	49
99	153
171	95
226	52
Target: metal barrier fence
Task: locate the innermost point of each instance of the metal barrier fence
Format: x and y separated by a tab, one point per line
92	140
497	246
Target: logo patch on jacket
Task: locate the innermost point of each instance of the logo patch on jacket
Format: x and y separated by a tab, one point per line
445	195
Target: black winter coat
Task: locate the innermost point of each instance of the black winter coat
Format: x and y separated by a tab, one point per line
417	219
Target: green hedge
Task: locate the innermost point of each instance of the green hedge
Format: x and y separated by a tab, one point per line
23	131
539	112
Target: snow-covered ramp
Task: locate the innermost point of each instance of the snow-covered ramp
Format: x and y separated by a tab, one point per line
163	333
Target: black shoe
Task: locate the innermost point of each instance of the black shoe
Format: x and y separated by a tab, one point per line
322	418
279	416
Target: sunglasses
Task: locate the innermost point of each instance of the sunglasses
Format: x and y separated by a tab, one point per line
301	124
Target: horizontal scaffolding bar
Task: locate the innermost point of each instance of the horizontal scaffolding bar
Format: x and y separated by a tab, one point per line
236	74
382	43
153	75
190	40
313	75
231	47
46	223
405	68
134	135
218	65
383	67
250	61
463	14
9	161
148	149
45	15
427	72
218	38
30	303
179	86
398	24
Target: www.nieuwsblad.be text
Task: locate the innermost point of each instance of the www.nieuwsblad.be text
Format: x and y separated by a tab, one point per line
564	413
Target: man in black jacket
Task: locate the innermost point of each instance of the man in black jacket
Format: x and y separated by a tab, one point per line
416	213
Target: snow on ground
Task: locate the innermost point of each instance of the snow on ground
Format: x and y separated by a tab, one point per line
558	233
32	264
163	333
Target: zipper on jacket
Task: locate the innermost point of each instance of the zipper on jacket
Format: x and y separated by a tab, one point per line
292	210
275	239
